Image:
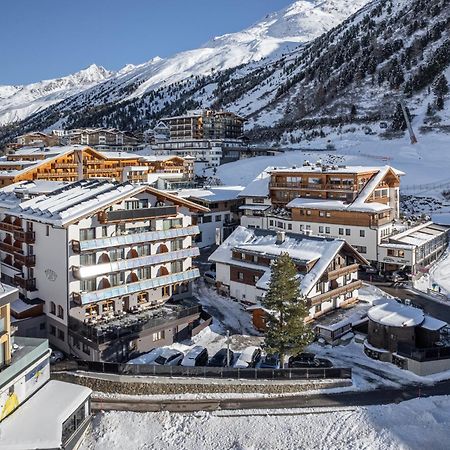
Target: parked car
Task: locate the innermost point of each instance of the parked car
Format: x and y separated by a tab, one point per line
368	269
56	356
270	362
210	277
220	358
197	356
307	360
397	275
248	358
169	357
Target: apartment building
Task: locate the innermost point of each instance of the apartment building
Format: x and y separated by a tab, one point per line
328	269
111	261
72	163
56	414
37	138
358	204
204	124
103	139
223	217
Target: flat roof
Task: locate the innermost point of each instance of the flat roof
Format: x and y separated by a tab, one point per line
7	293
394	314
38	422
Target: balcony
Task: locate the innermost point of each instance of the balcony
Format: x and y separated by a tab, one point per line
134	263
134	238
29	237
66	166
85	298
26	260
9	248
136	323
4	226
335	293
140	214
334	274
29	284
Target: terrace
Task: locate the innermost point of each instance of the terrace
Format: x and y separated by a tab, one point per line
142	318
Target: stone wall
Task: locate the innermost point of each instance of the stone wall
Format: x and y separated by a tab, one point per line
122	384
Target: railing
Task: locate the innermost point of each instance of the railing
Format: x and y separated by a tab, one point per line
211	372
335	292
9	248
333	274
9	227
143	213
29	237
28	284
423	354
66	165
26	260
98	336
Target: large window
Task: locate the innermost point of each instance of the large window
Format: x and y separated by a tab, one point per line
71	425
87	259
87	233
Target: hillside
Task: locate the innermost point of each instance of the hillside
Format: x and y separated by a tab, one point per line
21	101
162	82
349	77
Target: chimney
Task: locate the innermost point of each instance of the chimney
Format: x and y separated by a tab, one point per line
281	237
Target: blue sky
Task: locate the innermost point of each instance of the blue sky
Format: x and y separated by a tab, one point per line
41	39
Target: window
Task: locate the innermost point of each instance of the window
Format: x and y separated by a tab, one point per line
71	425
240	276
60	312
53	308
362	233
255	278
60	335
116	254
158	336
52	330
87	233
271	223
219	218
257	200
322	213
289	226
341	231
360	248
328	214
88	285
86	349
87	259
47	230
347	231
104	231
320	229
207	219
327	230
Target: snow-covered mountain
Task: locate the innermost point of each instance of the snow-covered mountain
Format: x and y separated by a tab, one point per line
277	33
19	102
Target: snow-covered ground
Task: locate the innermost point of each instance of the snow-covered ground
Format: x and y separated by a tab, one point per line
438	277
415	424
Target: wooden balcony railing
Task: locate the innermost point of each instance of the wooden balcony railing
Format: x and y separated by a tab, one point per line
26	283
29	237
335	293
9	227
334	274
26	260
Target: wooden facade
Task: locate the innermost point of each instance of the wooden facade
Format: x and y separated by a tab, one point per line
65	166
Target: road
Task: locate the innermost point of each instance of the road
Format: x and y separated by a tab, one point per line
433	308
325	400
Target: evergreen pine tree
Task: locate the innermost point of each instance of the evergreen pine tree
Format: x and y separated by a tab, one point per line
286	329
440	103
441	86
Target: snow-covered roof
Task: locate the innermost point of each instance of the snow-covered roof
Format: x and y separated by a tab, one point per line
394	314
212	194
118	155
329	170
259	187
433	324
76	200
37	423
255	207
418	235
301	248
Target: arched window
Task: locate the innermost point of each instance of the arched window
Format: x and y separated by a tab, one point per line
162	271
53	308
162	249
60	312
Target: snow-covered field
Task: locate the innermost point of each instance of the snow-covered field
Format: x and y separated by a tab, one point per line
415	424
438	277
